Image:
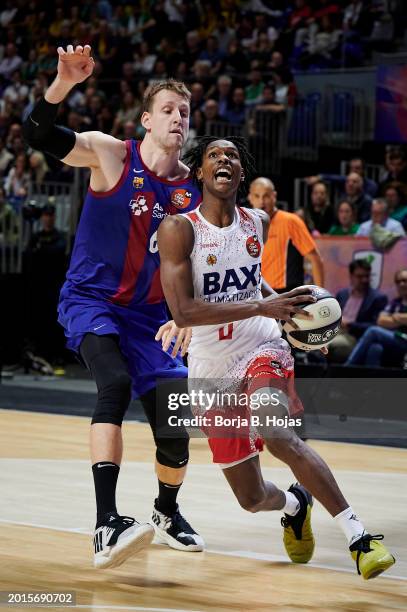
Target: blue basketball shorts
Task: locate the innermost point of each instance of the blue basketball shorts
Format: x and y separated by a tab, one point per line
136	330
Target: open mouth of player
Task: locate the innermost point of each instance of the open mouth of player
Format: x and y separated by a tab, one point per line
179	132
223	175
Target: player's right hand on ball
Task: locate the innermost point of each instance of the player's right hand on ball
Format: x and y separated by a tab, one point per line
287	305
75	65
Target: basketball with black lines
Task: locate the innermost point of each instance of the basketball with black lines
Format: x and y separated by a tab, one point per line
319	331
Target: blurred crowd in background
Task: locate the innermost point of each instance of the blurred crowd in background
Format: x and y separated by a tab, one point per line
234	56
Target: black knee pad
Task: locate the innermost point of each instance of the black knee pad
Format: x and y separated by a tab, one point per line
172	452
108	367
114	396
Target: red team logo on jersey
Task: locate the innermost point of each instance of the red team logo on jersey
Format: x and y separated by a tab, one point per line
253	246
181	198
211	260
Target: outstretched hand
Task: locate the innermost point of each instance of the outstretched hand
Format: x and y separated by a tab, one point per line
74	66
169	332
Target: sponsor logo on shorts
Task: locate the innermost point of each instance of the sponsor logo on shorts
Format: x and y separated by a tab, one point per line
138	206
253	246
181	198
138	182
211	260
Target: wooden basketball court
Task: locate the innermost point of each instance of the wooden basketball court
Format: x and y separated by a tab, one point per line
47	512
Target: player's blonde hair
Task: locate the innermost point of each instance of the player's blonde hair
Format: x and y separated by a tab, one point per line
169	85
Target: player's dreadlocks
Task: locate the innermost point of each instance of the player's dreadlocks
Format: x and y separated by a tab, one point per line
193	158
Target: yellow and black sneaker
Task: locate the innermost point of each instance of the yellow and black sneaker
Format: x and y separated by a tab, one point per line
372	558
298	537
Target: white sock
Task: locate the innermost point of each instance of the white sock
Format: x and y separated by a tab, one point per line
292	505
350	525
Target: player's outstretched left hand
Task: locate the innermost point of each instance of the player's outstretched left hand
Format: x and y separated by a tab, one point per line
169	332
75	65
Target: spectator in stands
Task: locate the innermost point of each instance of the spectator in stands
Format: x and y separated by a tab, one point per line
254	91
169	51
346	216
212	54
211	111
355	195
288	242
352	15
160	71
129	111
318	215
9	225
360	305
39	168
278	64
357	165
380	215
236	60
261	26
10	62
236	114
223	33
193	48
198	122
144	59
45	267
386	343
268	100
8	13
322	43
5	159
396	165
223	93
197	97
395	196
17	182
260	52
17	91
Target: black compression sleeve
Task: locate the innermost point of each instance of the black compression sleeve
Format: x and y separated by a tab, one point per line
41	133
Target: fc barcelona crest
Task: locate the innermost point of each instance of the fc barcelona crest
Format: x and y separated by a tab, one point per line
138	182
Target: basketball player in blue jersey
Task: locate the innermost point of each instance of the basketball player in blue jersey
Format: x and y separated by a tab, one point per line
112	303
210	268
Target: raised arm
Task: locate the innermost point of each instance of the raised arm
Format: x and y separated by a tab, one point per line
100	152
175	244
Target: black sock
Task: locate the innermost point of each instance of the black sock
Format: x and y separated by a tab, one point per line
166	501
105	475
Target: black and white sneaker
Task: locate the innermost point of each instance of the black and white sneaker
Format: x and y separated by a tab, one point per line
175	531
119	538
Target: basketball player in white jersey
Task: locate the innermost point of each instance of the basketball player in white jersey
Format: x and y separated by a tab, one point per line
210	272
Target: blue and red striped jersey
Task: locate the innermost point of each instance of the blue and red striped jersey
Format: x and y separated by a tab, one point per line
115	255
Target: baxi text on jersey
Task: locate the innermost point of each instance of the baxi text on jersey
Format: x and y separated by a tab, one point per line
235	297
239	279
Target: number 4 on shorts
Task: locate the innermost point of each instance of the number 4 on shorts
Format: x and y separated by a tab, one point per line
225	333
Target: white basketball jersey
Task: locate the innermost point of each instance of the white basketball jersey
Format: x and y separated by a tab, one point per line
226	267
